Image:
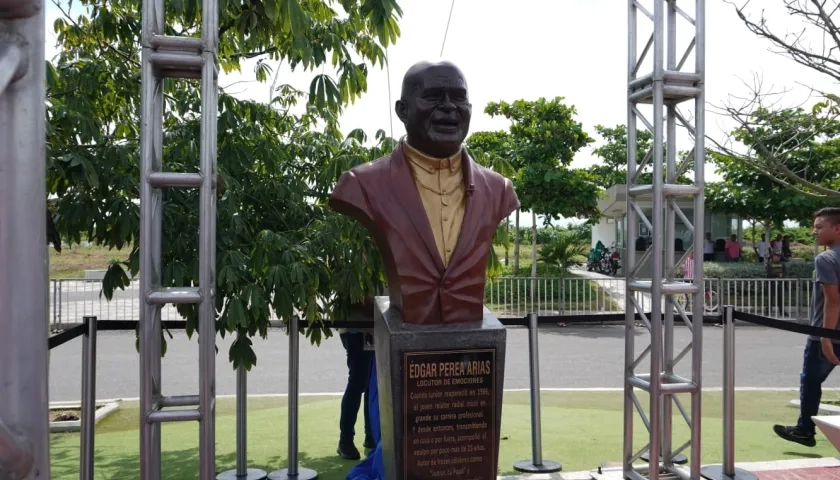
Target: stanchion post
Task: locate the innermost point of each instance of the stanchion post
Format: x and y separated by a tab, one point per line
88	410
727	470
292	472
242	472
537	463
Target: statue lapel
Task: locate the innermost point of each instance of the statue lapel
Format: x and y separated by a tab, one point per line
472	222
406	191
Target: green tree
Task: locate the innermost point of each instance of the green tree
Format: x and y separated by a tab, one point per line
613	154
749	191
544	137
279	248
564	251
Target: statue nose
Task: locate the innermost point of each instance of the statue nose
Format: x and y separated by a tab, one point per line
447	106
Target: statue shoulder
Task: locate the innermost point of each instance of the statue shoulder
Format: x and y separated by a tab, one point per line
351	193
501	188
370	171
494	180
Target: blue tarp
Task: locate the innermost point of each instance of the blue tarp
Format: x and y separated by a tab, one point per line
371	468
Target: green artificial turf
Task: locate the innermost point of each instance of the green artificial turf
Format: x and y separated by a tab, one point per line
579	429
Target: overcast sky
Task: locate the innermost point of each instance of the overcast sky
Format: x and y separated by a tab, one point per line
576	49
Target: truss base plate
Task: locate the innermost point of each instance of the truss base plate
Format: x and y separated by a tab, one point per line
679	459
715	472
528	466
302	474
250	474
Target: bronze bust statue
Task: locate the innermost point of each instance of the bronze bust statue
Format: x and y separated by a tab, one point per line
431	210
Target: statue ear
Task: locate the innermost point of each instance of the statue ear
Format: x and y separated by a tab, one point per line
400	109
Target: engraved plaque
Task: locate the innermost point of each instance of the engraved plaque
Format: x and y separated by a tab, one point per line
450	430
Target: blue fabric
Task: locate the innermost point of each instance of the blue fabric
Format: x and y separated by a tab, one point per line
371	468
815	371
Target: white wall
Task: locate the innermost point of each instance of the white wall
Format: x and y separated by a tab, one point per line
605	232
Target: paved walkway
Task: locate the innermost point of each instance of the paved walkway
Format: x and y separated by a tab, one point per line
570	357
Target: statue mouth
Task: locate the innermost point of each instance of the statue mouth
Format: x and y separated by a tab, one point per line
446	124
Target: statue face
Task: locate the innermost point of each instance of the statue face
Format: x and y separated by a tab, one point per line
436	110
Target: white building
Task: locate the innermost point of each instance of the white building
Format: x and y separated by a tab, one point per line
612	227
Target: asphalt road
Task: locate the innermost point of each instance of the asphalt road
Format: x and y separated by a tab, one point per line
570	357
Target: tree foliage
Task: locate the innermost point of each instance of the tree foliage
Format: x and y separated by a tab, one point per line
494	151
544	137
613	154
750	192
769	137
279	248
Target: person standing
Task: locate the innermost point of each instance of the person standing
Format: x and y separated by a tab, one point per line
708	248
733	249
776	271
761	249
359	357
821	354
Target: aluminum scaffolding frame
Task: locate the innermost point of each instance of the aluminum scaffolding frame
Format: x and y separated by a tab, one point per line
664	88
184	58
24	303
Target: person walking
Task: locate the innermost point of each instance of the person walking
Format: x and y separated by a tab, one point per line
821	354
359	350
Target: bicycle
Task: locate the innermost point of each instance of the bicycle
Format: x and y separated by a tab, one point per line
710	302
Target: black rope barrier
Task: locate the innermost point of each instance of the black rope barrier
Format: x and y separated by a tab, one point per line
787	325
595	318
60	339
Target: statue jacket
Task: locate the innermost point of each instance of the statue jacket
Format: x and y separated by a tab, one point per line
382	196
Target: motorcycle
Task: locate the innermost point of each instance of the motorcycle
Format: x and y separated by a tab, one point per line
602	260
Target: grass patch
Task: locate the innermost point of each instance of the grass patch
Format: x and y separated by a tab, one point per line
580	430
73	261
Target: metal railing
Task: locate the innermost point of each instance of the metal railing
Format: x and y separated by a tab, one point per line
787	299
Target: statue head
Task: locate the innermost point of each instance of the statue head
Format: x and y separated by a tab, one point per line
435	108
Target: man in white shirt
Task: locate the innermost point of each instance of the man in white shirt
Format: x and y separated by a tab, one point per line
761	249
708	248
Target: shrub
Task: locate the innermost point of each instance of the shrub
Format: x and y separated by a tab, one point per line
754	270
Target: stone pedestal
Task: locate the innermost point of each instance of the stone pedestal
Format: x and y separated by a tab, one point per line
440	396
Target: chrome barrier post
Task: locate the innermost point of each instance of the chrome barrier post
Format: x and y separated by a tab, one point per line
88	410
727	470
292	472
242	472
537	463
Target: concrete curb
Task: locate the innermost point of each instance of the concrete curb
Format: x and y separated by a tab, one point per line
104	410
616	473
824	409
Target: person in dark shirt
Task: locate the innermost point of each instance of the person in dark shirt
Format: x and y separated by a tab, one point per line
787	254
776	269
820	356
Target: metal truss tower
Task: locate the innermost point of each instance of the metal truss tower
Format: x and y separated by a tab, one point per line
24	355
182	58
663	88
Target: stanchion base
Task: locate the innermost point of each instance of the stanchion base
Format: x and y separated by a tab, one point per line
283	474
715	472
250	474
679	459
528	466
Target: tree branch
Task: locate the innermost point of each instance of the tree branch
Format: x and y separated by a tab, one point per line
792	44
